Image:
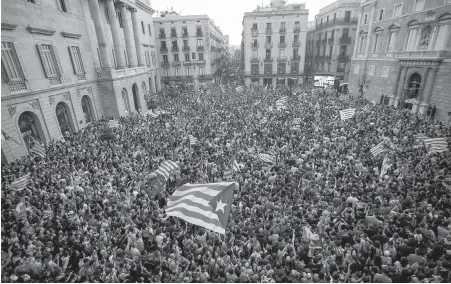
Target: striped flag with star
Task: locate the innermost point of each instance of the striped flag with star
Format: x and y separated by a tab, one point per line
347	113
267	158
205	205
376	150
281	103
20	183
436	145
38	149
166	168
192	140
419	140
7	137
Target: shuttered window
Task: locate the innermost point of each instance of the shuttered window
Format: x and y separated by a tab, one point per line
77	61
49	61
11	66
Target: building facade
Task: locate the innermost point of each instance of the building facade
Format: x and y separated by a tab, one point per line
68	63
331	40
189	47
274	40
404	51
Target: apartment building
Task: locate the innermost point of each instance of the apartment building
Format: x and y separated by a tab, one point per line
68	63
189	47
274	41
404	51
330	40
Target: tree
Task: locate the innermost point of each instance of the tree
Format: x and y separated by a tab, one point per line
229	70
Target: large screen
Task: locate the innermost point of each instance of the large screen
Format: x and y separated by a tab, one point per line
324	81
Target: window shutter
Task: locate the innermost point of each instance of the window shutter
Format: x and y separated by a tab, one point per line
74	64
22	66
67	3
58	3
81	62
44	64
55	53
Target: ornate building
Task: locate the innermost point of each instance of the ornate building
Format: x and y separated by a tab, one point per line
404	51
274	44
68	63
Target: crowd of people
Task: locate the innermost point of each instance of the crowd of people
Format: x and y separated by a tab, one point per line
89	213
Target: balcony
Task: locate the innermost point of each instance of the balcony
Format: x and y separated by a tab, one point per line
282	44
254	32
268	45
254	46
200	48
186	48
162	36
164	49
199	62
343	57
176	63
345	40
295	58
187	63
297	30
165	64
199	34
173	35
282	30
437	55
331	40
296	43
267	59
175	49
282	58
268	31
185	34
255	60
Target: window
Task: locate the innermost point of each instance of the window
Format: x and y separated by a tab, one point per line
201	70
49	61
77	61
63	5
296	25
268	25
107	15
327	19
161	31
362	43
177	71
254	69
86	107
347	16
335	16
166	72
254	43
165	58
119	17
295	67
268	39
199	30
201	56
173	32
200	42
142	26
11	66
193	56
330	50
150	31
391	42
282	39
411	39
268	68
188	71
176	57
365	19
377	41
418	5
254	26
345	33
174	44
295	52
281	68
281	53
397	10
442	37
254	53
147	58
268	54
381	14
185	31
186	57
425	38
296	38
153	58
343	50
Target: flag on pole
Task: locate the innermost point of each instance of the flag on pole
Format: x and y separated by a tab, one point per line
7	137
267	158
281	103
205	205
192	140
386	164
376	150
347	113
166	168
38	149
20	183
436	145
419	140
113	123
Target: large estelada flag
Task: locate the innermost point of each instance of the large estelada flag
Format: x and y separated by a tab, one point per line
376	150
20	183
347	113
38	149
281	103
436	145
205	205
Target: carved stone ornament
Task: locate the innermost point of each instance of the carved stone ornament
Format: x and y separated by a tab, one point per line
35	105
51	99
90	90
67	96
12	110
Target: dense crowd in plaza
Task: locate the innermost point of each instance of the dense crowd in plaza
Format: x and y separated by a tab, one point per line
88	214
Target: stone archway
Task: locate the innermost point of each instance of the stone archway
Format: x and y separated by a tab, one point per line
412	90
30	127
64	117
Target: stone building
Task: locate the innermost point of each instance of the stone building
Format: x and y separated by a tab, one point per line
404	51
68	63
330	41
274	41
189	47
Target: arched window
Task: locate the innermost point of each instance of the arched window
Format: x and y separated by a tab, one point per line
425	37
150	85
28	128
86	106
125	100
63	118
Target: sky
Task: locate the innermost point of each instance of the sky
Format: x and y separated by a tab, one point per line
228	14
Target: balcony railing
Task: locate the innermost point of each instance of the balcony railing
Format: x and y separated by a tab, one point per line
254	45
175	49
296	43
177	78
421	55
282	30
200	48
199	34
162	36
165	64
186	48
205	77
343	57
185	34
173	34
337	21
331	40
17	86
255	59
281	58
200	62
187	63
163	49
268	31
295	58
282	44
296	30
176	63
268	45
345	40
254	32
268	59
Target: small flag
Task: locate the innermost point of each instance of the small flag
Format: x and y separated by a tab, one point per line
38	149
386	164
281	103
192	140
7	137
113	123
347	113
436	145
376	150
166	168
20	183
267	158
205	205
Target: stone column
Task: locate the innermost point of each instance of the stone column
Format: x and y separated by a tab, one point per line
100	34
401	83
114	24
128	34
427	92
137	33
395	87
